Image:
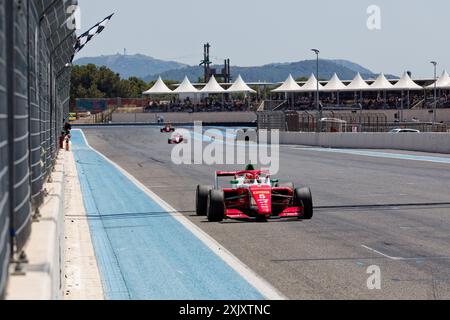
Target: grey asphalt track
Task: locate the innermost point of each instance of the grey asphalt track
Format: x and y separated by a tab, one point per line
394	214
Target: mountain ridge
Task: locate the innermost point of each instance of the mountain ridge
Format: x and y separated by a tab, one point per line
278	72
149	69
137	65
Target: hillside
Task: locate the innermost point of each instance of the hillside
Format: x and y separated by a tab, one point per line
277	72
148	69
131	65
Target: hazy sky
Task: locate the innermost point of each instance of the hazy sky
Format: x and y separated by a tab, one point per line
256	32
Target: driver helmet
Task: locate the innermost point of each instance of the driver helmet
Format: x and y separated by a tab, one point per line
249	167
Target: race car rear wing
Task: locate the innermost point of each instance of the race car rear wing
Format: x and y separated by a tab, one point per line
226	173
238	173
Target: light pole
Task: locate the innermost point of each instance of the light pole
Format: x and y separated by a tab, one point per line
319	120
434	63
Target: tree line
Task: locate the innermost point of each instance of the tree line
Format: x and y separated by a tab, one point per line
90	81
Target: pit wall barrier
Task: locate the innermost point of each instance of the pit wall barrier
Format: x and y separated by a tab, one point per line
43	277
184	117
421	142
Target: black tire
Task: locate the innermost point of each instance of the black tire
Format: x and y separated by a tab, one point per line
289	185
201	203
216	206
303	197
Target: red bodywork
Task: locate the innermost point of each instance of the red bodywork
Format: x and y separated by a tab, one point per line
167	129
176	139
258	200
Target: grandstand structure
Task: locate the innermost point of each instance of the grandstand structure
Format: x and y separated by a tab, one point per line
379	93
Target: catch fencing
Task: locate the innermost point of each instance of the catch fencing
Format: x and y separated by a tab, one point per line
36	47
339	121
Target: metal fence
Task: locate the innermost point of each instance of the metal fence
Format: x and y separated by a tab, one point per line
271	120
359	121
36	46
4	195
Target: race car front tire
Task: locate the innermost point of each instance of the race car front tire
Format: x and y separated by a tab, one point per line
202	200
303	198
216	206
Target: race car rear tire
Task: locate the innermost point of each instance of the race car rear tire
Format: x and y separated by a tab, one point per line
288	185
201	203
303	197
216	206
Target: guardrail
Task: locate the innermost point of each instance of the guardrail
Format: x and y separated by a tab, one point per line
34	98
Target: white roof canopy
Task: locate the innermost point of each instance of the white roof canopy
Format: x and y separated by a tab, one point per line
311	85
381	83
288	86
186	87
442	82
406	83
335	84
158	88
357	84
240	86
212	87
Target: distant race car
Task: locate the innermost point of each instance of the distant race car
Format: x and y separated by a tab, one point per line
167	129
253	195
399	130
176	139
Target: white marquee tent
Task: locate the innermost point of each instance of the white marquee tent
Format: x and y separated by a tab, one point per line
311	85
406	84
442	83
240	86
186	87
358	84
288	86
158	88
334	85
381	84
212	87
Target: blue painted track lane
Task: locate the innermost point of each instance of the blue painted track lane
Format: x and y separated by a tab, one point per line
142	251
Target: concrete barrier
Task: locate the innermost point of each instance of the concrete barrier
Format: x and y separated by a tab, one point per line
184	117
423	142
421	115
43	278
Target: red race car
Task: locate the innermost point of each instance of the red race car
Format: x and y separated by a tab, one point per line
253	195
168	129
176	139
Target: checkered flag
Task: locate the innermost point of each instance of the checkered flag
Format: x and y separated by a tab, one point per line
88	35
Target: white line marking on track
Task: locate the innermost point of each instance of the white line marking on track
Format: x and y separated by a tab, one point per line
375	154
382	254
407	259
265	288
